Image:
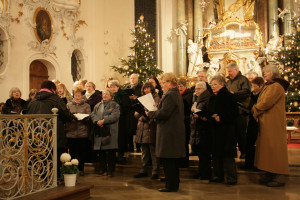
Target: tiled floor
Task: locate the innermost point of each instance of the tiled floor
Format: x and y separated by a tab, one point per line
124	186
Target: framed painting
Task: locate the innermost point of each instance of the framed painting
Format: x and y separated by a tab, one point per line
44	27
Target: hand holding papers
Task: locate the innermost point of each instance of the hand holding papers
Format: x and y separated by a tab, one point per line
81	116
148	102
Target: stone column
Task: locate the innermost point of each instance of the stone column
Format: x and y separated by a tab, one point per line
198	21
287	4
273	16
181	39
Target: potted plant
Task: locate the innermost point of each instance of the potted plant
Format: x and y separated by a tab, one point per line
69	169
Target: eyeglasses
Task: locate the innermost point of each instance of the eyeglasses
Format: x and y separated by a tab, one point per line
198	88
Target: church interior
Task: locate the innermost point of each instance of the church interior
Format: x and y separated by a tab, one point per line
69	40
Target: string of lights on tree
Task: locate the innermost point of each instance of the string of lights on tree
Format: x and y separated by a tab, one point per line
142	60
289	57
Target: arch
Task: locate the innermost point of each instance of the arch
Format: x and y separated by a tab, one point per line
50	63
5	48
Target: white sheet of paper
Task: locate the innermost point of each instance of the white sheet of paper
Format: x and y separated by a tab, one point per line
148	102
80	116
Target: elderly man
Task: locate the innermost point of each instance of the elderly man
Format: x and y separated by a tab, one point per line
136	87
202	77
240	87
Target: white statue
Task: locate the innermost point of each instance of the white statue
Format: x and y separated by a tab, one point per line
213	69
273	44
253	66
195	57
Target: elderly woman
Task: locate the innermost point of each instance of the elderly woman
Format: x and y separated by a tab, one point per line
271	148
200	137
106	117
14	105
92	96
222	112
145	135
77	130
123	100
187	96
170	135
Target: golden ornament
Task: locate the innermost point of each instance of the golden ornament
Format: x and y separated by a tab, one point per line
142	17
296	104
126	67
286	78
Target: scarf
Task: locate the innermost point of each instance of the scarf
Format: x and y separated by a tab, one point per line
88	95
118	95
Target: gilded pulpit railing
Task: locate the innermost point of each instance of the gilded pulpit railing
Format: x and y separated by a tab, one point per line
27	154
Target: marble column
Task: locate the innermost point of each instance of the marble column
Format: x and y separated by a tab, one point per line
287	4
181	39
198	21
273	16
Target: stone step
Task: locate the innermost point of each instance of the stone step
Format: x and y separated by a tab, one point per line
78	192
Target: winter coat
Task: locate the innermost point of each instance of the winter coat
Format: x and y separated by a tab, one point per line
94	99
110	112
223	133
146	129
8	107
124	121
200	135
271	146
42	103
78	128
241	87
170	132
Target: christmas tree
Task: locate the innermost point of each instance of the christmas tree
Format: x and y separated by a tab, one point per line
142	60
289	57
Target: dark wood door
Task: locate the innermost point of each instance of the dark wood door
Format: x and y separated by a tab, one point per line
38	74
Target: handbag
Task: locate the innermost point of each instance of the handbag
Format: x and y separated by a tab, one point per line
104	133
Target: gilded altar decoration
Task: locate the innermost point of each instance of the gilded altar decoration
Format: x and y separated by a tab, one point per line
43	25
27	154
248	9
233	34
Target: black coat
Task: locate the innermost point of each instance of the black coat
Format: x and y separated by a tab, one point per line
9	109
170	132
223	133
94	99
42	103
200	135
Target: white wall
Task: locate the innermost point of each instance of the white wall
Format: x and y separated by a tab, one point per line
106	38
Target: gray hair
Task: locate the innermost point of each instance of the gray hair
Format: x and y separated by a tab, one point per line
14	89
202	84
273	69
90	82
221	80
113	83
110	92
253	73
233	66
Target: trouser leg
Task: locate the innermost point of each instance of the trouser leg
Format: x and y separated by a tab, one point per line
111	160
171	170
230	169
145	157
103	161
155	161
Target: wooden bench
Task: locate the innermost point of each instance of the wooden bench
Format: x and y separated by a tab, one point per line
295	116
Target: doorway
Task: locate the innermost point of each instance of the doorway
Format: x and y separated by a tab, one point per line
38	74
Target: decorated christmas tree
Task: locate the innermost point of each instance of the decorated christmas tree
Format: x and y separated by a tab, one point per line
289	57
142	59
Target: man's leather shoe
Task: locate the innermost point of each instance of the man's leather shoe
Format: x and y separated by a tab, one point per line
275	184
216	180
140	175
166	190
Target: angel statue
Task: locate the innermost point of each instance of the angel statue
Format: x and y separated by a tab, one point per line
195	57
274	44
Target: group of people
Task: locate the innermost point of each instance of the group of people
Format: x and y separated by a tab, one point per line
213	118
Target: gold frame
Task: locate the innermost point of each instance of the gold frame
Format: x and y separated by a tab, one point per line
48	21
222	24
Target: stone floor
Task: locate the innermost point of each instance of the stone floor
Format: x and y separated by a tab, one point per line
124	186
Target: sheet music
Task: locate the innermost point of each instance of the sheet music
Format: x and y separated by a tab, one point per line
148	102
80	116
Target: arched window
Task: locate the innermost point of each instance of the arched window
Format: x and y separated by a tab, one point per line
77	65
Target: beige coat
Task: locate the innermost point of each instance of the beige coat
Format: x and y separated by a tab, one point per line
271	145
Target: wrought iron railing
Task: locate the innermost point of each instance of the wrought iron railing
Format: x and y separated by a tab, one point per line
27	154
